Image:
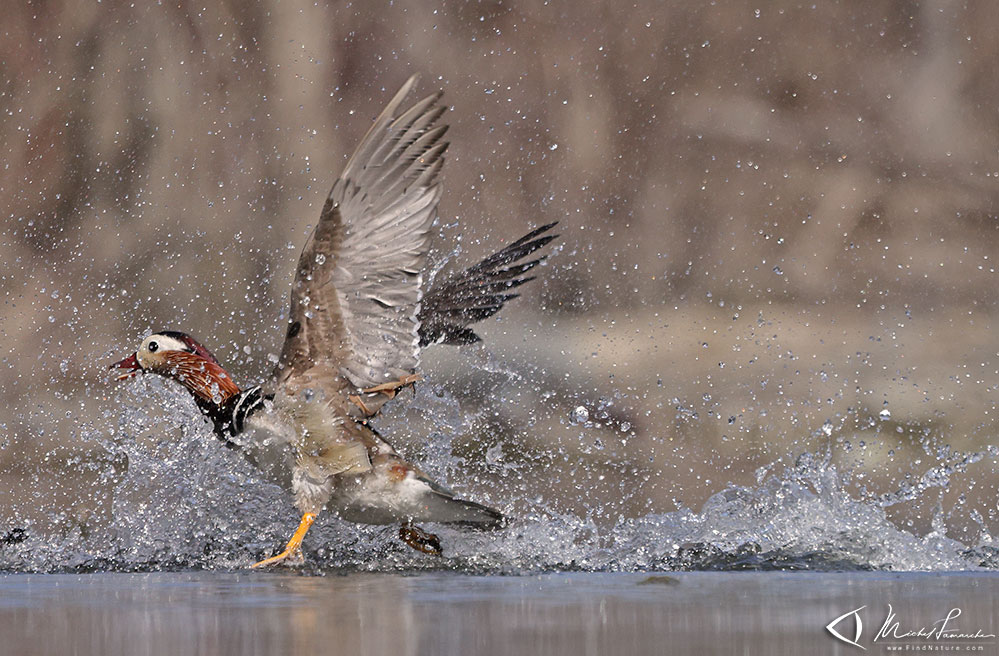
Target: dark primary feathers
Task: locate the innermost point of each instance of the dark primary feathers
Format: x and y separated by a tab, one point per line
450	306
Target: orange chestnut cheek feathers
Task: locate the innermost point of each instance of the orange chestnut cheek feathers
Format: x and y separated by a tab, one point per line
205	378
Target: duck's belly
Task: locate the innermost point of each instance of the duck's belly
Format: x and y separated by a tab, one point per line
269	449
374	498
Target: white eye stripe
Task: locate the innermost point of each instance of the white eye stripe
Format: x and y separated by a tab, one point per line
164	343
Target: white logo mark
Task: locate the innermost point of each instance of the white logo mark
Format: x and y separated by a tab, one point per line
858	623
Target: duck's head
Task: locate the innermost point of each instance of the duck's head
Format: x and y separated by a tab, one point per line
179	356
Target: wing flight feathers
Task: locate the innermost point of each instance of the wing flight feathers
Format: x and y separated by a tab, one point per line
356	293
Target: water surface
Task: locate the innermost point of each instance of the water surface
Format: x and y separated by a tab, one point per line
448	613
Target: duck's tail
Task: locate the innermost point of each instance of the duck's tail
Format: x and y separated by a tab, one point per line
443	506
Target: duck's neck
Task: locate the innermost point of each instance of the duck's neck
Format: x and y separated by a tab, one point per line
216	394
220	414
207	381
228	417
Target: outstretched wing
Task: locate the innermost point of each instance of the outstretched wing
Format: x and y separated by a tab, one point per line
449	307
357	290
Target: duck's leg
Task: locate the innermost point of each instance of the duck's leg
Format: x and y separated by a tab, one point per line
356	400
388	389
294	549
419	539
392	388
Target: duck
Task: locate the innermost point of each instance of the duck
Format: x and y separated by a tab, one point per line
362	308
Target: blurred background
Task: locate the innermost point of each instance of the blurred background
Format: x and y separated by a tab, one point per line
778	234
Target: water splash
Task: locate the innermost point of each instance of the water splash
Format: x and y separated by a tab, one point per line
182	500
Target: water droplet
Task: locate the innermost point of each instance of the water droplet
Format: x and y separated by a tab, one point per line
885	414
494	456
580	415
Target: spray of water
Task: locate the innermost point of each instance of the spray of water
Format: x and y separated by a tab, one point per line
179	499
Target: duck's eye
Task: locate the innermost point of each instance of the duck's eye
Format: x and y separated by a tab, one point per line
152	347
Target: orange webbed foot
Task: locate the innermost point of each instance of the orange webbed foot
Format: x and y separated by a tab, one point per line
292	554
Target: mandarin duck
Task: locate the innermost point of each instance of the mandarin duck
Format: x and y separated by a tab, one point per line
358	319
